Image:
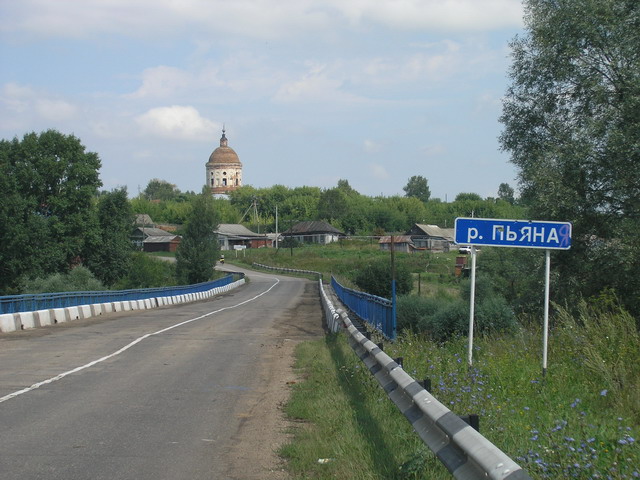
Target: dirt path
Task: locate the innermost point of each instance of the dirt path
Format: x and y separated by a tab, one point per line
264	427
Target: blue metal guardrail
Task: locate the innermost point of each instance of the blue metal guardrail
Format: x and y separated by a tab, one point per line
376	311
46	301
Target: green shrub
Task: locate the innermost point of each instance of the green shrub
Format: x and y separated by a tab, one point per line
147	272
80	279
411	310
375	278
443	318
450	320
493	314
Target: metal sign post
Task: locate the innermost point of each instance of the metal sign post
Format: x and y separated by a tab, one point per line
545	332
512	233
472	306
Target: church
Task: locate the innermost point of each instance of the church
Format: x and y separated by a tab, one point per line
224	169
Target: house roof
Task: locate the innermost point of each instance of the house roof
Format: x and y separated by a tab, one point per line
236	230
161	238
143	219
155	232
436	231
396	239
309	228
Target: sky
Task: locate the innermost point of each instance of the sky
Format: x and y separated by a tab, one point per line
308	91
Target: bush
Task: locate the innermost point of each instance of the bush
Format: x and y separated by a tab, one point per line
375	278
80	279
443	318
146	272
414	313
493	314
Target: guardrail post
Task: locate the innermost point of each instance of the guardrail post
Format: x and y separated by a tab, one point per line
472	420
426	384
381	346
399	361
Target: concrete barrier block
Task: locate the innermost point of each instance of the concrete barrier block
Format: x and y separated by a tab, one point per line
126	306
9	323
60	315
45	317
73	313
117	306
106	307
85	311
28	320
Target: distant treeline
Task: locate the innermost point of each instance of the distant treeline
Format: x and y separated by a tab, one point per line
342	206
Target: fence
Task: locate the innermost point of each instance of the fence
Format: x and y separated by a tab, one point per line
376	311
46	301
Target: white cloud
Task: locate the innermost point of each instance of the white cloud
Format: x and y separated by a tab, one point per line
176	122
434	14
25	105
371	147
55	110
435	150
251	18
319	84
162	82
378	171
487	102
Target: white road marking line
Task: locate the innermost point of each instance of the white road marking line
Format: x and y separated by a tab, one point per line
128	346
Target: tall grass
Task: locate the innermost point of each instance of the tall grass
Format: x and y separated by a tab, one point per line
579	421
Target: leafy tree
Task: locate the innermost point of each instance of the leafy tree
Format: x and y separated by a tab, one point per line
417	187
147	272
572	126
506	193
20	231
333	204
469	197
375	278
160	190
199	249
110	256
51	183
80	279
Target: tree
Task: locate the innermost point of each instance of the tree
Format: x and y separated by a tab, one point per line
51	183
418	187
375	278
506	193
198	251
160	190
572	126
109	259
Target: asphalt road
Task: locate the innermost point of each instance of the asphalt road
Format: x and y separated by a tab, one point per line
155	394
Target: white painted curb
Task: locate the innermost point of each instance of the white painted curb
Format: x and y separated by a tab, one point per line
11	322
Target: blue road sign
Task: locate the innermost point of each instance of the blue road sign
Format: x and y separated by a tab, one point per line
513	233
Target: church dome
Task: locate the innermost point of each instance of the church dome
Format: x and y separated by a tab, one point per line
224	154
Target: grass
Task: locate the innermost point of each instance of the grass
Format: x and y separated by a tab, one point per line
347	428
560	426
581	420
